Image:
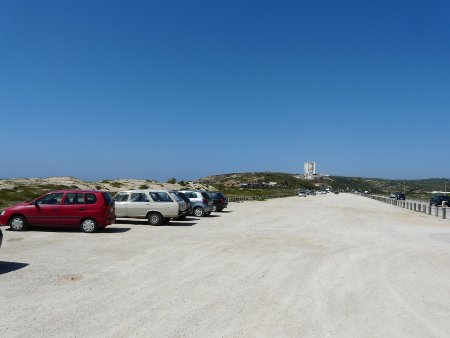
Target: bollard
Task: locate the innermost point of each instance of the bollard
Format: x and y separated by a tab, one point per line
436	212
419	207
415	207
444	212
429	210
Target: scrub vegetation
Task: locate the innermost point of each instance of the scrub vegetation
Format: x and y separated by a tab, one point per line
24	193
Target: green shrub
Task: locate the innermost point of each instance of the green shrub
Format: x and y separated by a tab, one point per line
172	180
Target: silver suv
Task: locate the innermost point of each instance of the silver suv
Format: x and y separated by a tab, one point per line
157	206
201	202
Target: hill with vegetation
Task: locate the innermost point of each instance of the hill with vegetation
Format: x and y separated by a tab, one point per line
27	189
417	187
262	184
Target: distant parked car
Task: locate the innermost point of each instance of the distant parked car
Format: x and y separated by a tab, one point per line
86	209
157	206
302	193
398	196
438	199
201	202
220	201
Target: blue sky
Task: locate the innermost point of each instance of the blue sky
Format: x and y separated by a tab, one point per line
185	89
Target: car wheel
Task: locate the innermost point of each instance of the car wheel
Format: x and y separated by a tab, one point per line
18	223
166	220
155	218
214	208
219	209
89	225
199	212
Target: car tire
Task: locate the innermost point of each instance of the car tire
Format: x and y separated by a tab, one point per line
18	223
199	212
219	209
88	225
166	220
214	208
154	218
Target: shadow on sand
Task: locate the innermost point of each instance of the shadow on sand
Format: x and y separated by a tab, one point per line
6	267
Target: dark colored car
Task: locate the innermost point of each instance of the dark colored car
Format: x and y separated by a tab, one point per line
85	209
220	201
438	199
1	237
188	202
398	196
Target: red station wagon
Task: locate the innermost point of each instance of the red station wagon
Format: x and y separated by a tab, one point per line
85	209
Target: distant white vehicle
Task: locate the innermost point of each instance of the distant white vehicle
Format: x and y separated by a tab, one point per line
302	193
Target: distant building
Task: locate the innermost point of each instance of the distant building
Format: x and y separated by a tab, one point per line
309	168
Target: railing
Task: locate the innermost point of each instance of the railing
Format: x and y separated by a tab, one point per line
414	205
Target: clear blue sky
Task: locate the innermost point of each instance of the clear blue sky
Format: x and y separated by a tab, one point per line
159	89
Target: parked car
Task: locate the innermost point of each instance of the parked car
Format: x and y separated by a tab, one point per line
157	206
86	209
1	237
302	193
220	201
201	202
398	196
188	204
438	199
184	202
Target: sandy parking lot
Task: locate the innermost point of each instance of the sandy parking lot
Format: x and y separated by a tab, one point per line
333	265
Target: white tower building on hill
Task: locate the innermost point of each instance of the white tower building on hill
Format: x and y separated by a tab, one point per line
310	168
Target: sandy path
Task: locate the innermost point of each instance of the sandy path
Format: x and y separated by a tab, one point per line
333	265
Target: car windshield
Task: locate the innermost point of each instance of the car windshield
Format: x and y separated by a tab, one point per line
121	197
183	196
206	195
175	196
108	198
